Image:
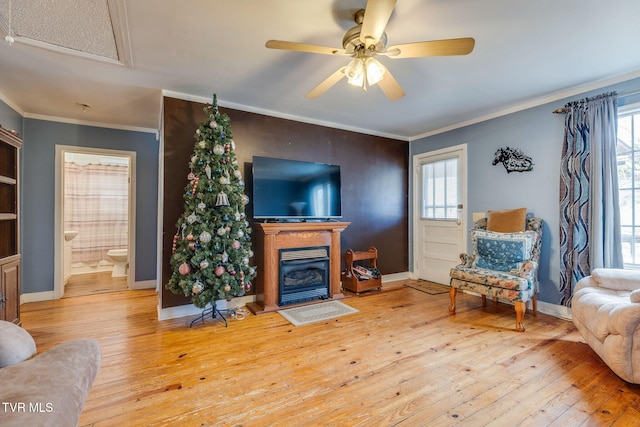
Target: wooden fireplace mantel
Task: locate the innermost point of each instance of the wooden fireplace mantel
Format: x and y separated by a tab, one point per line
269	238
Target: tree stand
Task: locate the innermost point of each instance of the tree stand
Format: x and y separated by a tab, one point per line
214	312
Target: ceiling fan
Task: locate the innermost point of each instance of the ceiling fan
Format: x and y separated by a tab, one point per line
367	40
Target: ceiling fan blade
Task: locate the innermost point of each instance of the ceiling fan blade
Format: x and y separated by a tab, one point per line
326	84
389	85
376	17
448	47
302	47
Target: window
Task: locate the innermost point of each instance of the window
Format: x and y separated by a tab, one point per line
440	189
628	153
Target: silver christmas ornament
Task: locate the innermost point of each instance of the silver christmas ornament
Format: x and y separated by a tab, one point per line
192	218
225	180
222	199
205	237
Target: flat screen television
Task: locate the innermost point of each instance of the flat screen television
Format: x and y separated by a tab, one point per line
295	190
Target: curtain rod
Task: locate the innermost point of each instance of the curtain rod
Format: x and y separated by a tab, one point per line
622	95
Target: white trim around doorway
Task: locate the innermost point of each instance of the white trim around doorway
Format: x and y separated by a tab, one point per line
58	279
417	159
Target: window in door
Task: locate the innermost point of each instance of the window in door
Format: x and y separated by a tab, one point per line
440	189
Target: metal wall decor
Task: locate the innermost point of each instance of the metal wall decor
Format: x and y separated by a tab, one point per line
513	160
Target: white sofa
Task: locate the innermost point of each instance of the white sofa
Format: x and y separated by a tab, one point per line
606	310
45	389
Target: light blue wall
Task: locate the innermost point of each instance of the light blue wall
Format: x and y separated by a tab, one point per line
38	192
10	119
539	134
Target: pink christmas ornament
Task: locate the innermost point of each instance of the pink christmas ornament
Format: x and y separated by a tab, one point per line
219	271
184	268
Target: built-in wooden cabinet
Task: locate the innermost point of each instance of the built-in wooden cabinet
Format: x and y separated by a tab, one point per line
10	145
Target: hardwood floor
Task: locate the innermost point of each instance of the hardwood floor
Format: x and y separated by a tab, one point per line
401	361
93	283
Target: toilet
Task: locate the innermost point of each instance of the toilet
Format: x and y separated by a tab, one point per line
119	258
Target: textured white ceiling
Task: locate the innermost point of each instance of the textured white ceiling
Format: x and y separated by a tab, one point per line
82	26
526	52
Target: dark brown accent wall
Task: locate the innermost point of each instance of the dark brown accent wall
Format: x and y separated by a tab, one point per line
374	177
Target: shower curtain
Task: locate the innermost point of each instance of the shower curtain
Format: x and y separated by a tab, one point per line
96	205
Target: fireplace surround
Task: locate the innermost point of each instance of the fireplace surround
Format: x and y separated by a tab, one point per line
270	238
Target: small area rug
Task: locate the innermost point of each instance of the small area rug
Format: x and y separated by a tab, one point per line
428	287
316	312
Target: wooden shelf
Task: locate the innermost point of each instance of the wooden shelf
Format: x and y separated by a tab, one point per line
10	137
10	145
349	277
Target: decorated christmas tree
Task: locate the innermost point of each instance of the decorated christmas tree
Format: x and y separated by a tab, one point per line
212	246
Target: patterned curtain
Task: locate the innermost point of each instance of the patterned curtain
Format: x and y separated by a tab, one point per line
96	205
589	216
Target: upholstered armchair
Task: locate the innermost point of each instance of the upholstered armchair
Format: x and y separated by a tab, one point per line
502	265
605	308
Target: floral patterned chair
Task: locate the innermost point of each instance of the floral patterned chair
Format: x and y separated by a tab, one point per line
503	265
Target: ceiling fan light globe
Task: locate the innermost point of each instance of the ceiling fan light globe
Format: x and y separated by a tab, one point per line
375	70
356	81
354	72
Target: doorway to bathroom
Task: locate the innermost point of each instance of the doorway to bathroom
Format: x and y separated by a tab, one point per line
95	213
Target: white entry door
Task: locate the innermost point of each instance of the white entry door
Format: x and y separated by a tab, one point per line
439	212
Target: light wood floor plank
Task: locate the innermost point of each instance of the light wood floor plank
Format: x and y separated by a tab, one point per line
402	360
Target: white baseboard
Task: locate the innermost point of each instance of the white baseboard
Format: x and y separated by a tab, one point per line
192	310
143	284
49	295
396	276
555	310
36	297
561	311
